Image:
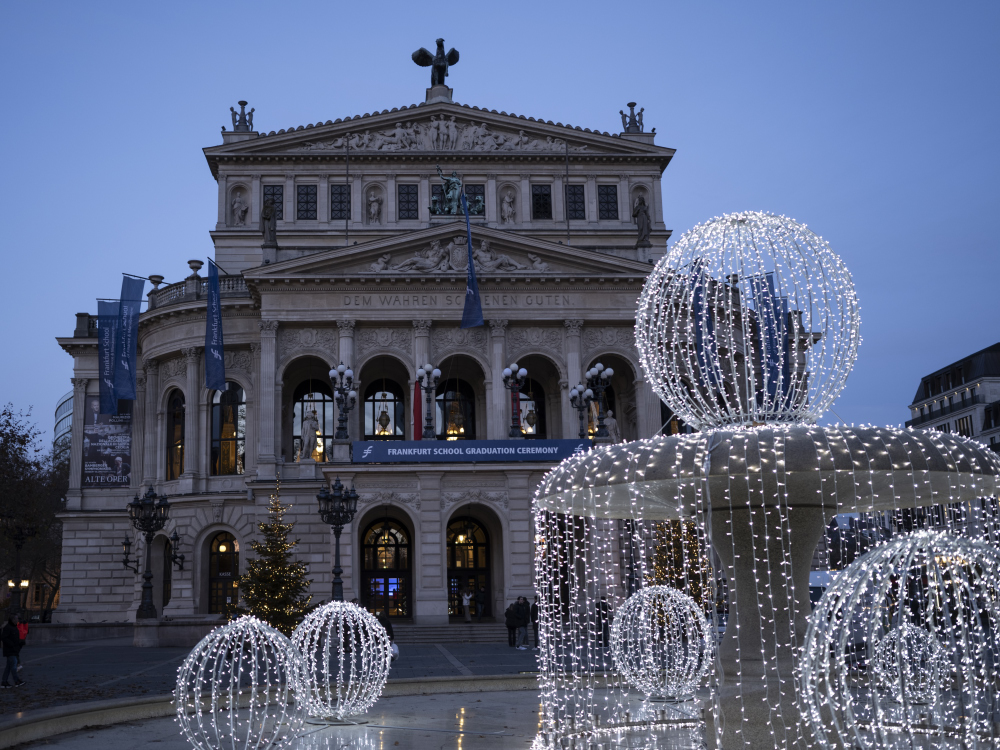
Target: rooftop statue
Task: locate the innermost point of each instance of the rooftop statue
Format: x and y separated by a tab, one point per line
438	62
242	122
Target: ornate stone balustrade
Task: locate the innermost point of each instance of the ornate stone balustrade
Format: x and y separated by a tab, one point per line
194	289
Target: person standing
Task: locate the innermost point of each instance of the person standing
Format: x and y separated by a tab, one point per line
534	621
522	615
22	630
510	620
467	604
12	643
480	603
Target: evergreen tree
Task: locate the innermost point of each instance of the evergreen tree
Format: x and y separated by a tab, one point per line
679	559
274	586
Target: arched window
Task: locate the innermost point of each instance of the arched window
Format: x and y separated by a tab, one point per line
385	565
468	562
533	410
314	396
175	434
456	411
229	427
223	569
385	411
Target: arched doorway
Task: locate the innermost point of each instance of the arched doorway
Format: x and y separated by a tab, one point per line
223	569
385	568
468	563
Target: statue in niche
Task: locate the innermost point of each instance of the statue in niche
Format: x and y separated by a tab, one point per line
439	62
612	424
374	207
434	258
269	223
537	264
508	213
487	260
240	209
382	264
452	189
310	426
640	213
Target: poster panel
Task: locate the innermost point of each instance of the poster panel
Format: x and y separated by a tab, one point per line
107	444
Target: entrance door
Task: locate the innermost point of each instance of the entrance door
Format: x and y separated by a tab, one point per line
385	569
223	569
468	563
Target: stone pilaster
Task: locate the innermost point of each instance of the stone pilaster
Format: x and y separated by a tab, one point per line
422	342
492	211
266	455
289	199
592	198
425	198
499	410
624	210
223	208
150	421
76	444
138	431
647	406
255	194
323	200
574	371
191	413
430	593
524	210
391	213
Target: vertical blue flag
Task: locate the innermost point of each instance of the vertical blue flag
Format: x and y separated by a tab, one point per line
107	340
772	318
472	315
127	334
704	324
215	362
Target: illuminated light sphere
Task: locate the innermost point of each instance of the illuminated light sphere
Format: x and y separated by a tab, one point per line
910	664
345	660
904	644
237	689
662	642
749	318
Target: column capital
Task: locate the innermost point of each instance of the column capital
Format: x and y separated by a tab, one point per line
491	175
255	348
498	326
422	326
573	327
269	327
80	384
346	325
151	366
190	353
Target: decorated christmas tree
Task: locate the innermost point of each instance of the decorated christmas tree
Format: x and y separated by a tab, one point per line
679	559
274	586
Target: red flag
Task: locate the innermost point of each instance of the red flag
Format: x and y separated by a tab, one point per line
418	427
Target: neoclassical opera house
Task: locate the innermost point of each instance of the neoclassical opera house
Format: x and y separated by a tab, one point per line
370	271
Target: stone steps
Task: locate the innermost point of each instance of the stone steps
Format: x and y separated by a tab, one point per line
483	632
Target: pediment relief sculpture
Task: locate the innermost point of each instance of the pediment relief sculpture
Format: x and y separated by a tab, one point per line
453	257
442	133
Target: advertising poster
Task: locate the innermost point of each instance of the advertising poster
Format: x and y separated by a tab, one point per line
107	445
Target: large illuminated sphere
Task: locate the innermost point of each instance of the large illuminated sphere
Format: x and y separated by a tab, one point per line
910	664
345	656
749	318
662	642
236	689
904	643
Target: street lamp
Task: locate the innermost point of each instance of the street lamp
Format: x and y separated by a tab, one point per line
147	516
580	398
344	394
18	533
176	559
337	509
598	378
429	377
514	378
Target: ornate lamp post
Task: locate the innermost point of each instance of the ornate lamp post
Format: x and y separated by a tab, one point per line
580	398
346	397
514	379
337	508
597	381
147	516
429	377
18	533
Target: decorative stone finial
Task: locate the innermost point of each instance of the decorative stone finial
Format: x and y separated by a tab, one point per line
632	122
195	266
242	122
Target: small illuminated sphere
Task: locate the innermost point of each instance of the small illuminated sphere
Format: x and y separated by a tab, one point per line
661	642
907	626
749	318
237	689
345	659
910	664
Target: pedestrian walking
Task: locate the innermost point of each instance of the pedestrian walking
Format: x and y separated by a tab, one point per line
510	620
22	629
522	616
385	622
534	621
467	604
10	637
480	603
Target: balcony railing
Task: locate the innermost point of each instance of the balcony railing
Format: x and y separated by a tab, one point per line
192	290
944	411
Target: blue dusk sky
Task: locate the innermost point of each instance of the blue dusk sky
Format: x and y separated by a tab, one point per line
874	123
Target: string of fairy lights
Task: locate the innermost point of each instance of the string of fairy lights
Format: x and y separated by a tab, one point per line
748	329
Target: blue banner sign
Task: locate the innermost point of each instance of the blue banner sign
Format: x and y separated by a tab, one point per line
465	451
107	341
215	360
127	335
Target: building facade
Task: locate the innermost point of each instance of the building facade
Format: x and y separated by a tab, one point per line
364	265
62	431
963	397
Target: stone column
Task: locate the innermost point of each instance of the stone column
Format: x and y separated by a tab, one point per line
647	406
421	356
76	444
323	200
138	429
223	208
254	217
289	199
574	372
192	412
149	427
391	216
592	198
624	210
266	454
498	419
492	210
524	212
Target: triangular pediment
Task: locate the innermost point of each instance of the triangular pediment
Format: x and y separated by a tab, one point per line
442	252
441	127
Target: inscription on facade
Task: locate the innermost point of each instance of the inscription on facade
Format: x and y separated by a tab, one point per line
379	301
